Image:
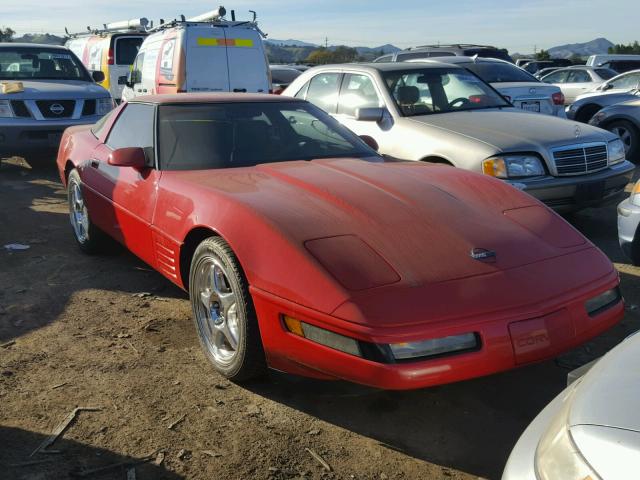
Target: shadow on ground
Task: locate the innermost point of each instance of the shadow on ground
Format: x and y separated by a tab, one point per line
74	460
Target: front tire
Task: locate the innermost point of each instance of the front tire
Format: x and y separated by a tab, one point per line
223	312
629	135
90	238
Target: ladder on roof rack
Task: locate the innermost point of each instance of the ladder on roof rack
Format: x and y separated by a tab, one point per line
136	25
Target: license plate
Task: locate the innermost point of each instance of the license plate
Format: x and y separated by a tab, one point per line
530	106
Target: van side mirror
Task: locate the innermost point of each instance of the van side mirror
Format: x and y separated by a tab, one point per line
370	114
97	76
128	157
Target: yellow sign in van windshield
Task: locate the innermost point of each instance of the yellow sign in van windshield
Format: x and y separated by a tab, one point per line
225	42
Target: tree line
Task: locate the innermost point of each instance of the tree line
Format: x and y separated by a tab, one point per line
629	49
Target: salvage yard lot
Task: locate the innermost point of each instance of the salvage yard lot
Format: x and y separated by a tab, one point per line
108	332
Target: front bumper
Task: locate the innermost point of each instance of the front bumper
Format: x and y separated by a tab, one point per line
507	341
22	137
565	194
628	221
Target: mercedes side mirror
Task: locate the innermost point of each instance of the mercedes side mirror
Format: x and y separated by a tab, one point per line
128	157
97	76
607	86
370	114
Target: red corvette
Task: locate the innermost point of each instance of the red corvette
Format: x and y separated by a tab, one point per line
303	250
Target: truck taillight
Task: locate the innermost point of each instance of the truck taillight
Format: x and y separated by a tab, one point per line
558	98
110	57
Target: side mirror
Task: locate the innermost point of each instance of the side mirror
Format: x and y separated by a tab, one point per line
97	76
370	114
370	141
128	157
122	80
607	86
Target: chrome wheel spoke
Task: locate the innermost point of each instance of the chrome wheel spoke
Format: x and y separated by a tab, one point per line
216	311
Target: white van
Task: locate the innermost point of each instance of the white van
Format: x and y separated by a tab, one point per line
202	54
599	60
110	51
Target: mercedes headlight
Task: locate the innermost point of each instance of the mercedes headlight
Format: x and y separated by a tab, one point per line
5	109
103	105
513	166
616	151
557	456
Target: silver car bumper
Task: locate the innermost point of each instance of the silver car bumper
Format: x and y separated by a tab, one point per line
628	221
565	194
25	136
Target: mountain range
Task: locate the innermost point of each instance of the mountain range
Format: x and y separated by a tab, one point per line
291	50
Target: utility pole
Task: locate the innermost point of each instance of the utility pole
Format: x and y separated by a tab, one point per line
326	42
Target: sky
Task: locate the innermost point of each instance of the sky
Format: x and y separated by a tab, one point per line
517	25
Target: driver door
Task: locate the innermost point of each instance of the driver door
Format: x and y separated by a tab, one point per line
125	197
359	91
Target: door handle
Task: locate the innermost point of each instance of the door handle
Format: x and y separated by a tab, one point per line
94	163
240	90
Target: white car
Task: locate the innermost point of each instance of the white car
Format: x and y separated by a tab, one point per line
591	430
521	88
574	81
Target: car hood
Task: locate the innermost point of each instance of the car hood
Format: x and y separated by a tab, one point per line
609	394
422	221
57	90
511	130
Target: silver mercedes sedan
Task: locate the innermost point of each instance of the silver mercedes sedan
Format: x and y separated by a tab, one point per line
591	430
446	114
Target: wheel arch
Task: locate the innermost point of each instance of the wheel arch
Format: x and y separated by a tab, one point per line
195	236
437	159
587	111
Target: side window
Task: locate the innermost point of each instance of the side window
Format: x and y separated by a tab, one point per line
98	128
302	93
133	128
323	91
557	77
127	49
358	91
579	76
136	70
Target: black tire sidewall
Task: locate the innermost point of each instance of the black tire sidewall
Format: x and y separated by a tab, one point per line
635	137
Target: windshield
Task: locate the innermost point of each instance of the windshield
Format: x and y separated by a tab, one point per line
488	53
499	72
284	75
34	63
215	135
440	90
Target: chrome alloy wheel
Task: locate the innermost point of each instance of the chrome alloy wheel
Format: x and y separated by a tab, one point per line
78	213
216	311
625	135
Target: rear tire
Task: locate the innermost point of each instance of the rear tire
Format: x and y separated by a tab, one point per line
629	135
90	238
223	312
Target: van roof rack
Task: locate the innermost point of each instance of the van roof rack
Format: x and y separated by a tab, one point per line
137	25
212	17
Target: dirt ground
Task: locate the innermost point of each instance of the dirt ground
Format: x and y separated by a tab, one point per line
107	332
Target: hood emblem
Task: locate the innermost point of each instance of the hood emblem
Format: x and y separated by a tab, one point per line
532	91
56	109
578	131
483	255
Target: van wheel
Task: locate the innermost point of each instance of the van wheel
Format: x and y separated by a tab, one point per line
223	312
90	238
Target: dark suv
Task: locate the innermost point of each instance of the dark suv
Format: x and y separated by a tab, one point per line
462	49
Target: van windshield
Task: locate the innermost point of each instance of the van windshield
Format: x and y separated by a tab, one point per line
228	135
37	63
